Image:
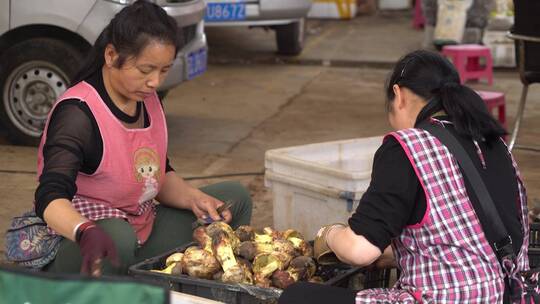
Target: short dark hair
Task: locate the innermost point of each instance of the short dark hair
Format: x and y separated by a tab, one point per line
130	31
434	78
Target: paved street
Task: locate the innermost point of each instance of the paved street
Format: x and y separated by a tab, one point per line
250	101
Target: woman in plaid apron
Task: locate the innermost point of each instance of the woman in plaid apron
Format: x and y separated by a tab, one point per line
103	162
437	238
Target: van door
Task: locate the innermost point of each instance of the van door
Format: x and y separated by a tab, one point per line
67	14
4	16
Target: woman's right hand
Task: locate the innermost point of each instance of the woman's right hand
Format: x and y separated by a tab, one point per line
204	205
96	245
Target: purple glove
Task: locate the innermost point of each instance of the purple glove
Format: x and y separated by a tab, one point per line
95	245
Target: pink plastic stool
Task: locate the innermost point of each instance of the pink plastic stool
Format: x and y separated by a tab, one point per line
466	59
495	100
418	17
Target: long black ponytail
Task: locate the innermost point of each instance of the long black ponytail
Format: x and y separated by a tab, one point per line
130	31
432	77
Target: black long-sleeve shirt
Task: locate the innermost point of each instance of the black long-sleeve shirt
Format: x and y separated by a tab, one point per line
74	144
396	199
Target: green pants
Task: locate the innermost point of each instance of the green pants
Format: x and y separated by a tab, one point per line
172	228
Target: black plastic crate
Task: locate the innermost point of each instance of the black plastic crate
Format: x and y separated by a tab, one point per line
534	257
534	245
377	278
534	235
339	275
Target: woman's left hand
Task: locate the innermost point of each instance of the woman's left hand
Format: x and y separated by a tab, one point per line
204	205
387	259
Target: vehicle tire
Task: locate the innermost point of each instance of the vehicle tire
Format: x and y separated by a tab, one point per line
290	37
34	73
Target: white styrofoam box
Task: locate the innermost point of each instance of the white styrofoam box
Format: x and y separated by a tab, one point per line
343	164
502	48
333	9
306	207
393	4
309	182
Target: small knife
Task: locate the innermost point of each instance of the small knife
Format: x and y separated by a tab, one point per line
208	220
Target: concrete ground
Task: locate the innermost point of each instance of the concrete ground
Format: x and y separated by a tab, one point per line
250	101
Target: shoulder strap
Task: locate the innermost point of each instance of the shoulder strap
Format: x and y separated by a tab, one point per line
503	242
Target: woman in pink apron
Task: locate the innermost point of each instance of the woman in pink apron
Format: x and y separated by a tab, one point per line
417	212
106	189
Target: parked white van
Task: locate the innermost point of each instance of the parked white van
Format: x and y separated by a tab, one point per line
285	17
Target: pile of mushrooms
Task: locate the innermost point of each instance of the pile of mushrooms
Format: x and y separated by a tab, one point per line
266	258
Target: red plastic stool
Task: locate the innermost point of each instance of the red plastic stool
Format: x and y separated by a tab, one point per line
495	100
418	16
466	59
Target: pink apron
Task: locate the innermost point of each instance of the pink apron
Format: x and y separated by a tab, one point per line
132	168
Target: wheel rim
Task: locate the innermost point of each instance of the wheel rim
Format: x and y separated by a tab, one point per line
30	92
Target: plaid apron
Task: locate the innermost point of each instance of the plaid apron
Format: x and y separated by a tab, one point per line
445	258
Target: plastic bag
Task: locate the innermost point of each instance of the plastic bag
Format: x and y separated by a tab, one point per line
451	20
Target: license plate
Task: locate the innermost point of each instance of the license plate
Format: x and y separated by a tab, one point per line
225	12
196	63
